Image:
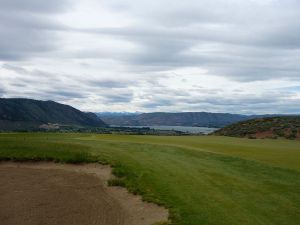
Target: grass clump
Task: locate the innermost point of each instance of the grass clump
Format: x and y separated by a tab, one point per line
116	182
119	171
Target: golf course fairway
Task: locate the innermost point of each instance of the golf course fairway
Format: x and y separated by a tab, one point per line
205	180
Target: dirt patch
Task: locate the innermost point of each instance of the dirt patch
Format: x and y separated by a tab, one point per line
264	134
298	135
60	194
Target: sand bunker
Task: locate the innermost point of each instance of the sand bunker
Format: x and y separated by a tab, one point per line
59	194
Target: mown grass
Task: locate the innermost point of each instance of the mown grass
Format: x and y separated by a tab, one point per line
282	153
202	180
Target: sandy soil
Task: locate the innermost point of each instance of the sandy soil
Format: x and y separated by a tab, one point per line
59	194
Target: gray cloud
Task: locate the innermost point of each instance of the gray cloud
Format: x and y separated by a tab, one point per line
260	42
36	76
34	5
156	104
153	97
25	27
290	89
113	98
52	52
108	83
238	59
243	41
66	94
32	83
241	103
2	91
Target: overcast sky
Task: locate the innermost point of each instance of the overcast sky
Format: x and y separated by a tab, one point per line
232	56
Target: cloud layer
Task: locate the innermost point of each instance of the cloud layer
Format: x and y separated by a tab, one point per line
221	55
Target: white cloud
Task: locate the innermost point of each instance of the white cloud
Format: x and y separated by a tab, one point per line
197	55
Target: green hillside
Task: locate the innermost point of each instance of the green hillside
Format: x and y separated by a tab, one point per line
275	127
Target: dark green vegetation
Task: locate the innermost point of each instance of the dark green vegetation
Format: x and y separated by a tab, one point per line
28	114
202	180
122	130
200	119
276	127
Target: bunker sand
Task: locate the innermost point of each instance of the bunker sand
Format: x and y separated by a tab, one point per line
63	194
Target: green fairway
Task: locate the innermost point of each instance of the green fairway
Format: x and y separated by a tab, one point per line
202	180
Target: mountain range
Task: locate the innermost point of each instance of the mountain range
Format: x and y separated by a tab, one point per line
198	119
27	114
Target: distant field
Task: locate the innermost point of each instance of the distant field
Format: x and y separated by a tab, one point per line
202	180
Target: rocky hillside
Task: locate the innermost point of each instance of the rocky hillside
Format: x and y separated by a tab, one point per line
275	127
26	114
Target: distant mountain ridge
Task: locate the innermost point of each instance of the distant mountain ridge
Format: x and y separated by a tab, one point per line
116	113
21	113
199	119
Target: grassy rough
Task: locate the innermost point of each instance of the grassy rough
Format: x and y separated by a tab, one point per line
28	150
202	180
